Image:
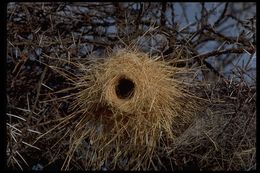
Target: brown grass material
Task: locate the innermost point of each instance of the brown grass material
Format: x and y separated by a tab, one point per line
125	105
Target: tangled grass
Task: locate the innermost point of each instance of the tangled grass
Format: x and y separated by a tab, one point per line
125	105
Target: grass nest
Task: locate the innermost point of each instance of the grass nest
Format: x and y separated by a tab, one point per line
124	106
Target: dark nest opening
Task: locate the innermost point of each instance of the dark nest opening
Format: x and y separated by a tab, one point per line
125	88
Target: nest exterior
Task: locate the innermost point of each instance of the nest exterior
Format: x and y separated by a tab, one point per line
125	107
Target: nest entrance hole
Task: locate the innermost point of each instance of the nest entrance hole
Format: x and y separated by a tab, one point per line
125	88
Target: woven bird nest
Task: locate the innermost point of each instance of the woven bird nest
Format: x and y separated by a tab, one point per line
125	107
